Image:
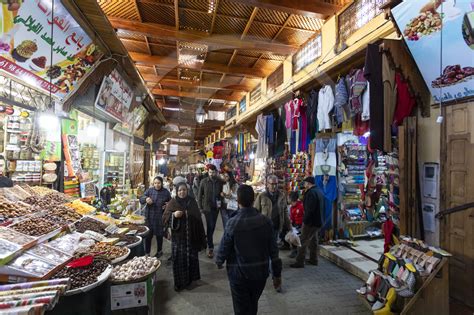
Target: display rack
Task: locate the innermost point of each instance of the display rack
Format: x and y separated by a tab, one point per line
115	166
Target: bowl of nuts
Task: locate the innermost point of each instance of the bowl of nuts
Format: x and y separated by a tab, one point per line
136	269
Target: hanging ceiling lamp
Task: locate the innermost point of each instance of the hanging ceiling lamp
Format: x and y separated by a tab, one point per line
200	115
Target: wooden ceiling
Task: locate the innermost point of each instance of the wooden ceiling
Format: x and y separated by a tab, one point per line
246	41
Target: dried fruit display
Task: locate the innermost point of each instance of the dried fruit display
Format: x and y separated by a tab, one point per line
81	207
108	251
10	209
83	276
63	214
90	224
33	265
49	253
14	236
41	190
35	226
139	228
127	239
48	201
424	24
135	268
453	75
39	62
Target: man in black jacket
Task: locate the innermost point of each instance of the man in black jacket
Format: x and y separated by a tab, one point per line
247	246
209	201
313	204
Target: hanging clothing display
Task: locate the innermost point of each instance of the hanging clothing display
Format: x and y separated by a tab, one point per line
328	185
311	114
296	112
341	102
325	162
389	101
405	101
280	132
260	127
366	104
303	136
357	84
373	73
325	105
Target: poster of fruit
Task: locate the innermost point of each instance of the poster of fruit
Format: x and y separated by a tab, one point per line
440	36
31	33
115	96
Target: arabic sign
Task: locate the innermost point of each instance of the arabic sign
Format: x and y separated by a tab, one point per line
115	96
29	31
422	24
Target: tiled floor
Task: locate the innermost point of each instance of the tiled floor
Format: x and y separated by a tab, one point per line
325	289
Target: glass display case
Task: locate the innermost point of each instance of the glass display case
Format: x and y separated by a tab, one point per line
115	168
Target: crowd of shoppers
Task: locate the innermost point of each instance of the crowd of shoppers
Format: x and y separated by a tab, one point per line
253	227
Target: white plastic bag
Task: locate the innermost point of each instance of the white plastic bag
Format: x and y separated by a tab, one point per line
293	238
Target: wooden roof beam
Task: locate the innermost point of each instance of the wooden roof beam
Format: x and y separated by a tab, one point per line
196	84
319	9
171	63
218	41
202	96
249	22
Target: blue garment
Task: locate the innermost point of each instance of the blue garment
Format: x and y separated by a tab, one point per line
330	195
341	101
293	142
269	130
247	247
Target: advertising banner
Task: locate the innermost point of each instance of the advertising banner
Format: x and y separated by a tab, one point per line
115	96
30	33
440	36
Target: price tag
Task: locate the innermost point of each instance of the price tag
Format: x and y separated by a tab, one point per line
111	229
72	228
121	243
132	232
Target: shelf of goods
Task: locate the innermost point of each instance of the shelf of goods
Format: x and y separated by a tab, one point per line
48	235
91	161
298	166
412	278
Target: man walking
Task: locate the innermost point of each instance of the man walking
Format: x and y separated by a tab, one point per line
273	204
247	247
209	201
313	204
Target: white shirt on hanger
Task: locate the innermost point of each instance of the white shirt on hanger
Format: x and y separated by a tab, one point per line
366	103
325	105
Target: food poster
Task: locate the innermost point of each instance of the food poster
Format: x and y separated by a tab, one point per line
115	96
72	155
422	24
29	30
126	126
52	146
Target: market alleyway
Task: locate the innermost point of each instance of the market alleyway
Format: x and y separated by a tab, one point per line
325	289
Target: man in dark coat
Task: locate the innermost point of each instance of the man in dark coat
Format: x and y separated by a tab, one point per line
313	204
209	200
247	247
155	199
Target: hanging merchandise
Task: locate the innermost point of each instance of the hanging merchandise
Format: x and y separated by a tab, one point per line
269	134
325	162
260	128
328	185
373	73
280	132
299	166
312	114
341	102
325	106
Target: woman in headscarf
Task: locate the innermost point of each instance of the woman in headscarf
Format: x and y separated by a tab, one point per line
155	199
182	215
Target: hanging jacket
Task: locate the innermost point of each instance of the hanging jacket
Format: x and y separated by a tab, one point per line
341	101
311	114
325	105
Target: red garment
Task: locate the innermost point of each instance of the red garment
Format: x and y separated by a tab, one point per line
297	213
296	112
405	101
360	127
387	229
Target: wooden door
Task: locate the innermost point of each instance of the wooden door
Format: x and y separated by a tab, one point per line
457	229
